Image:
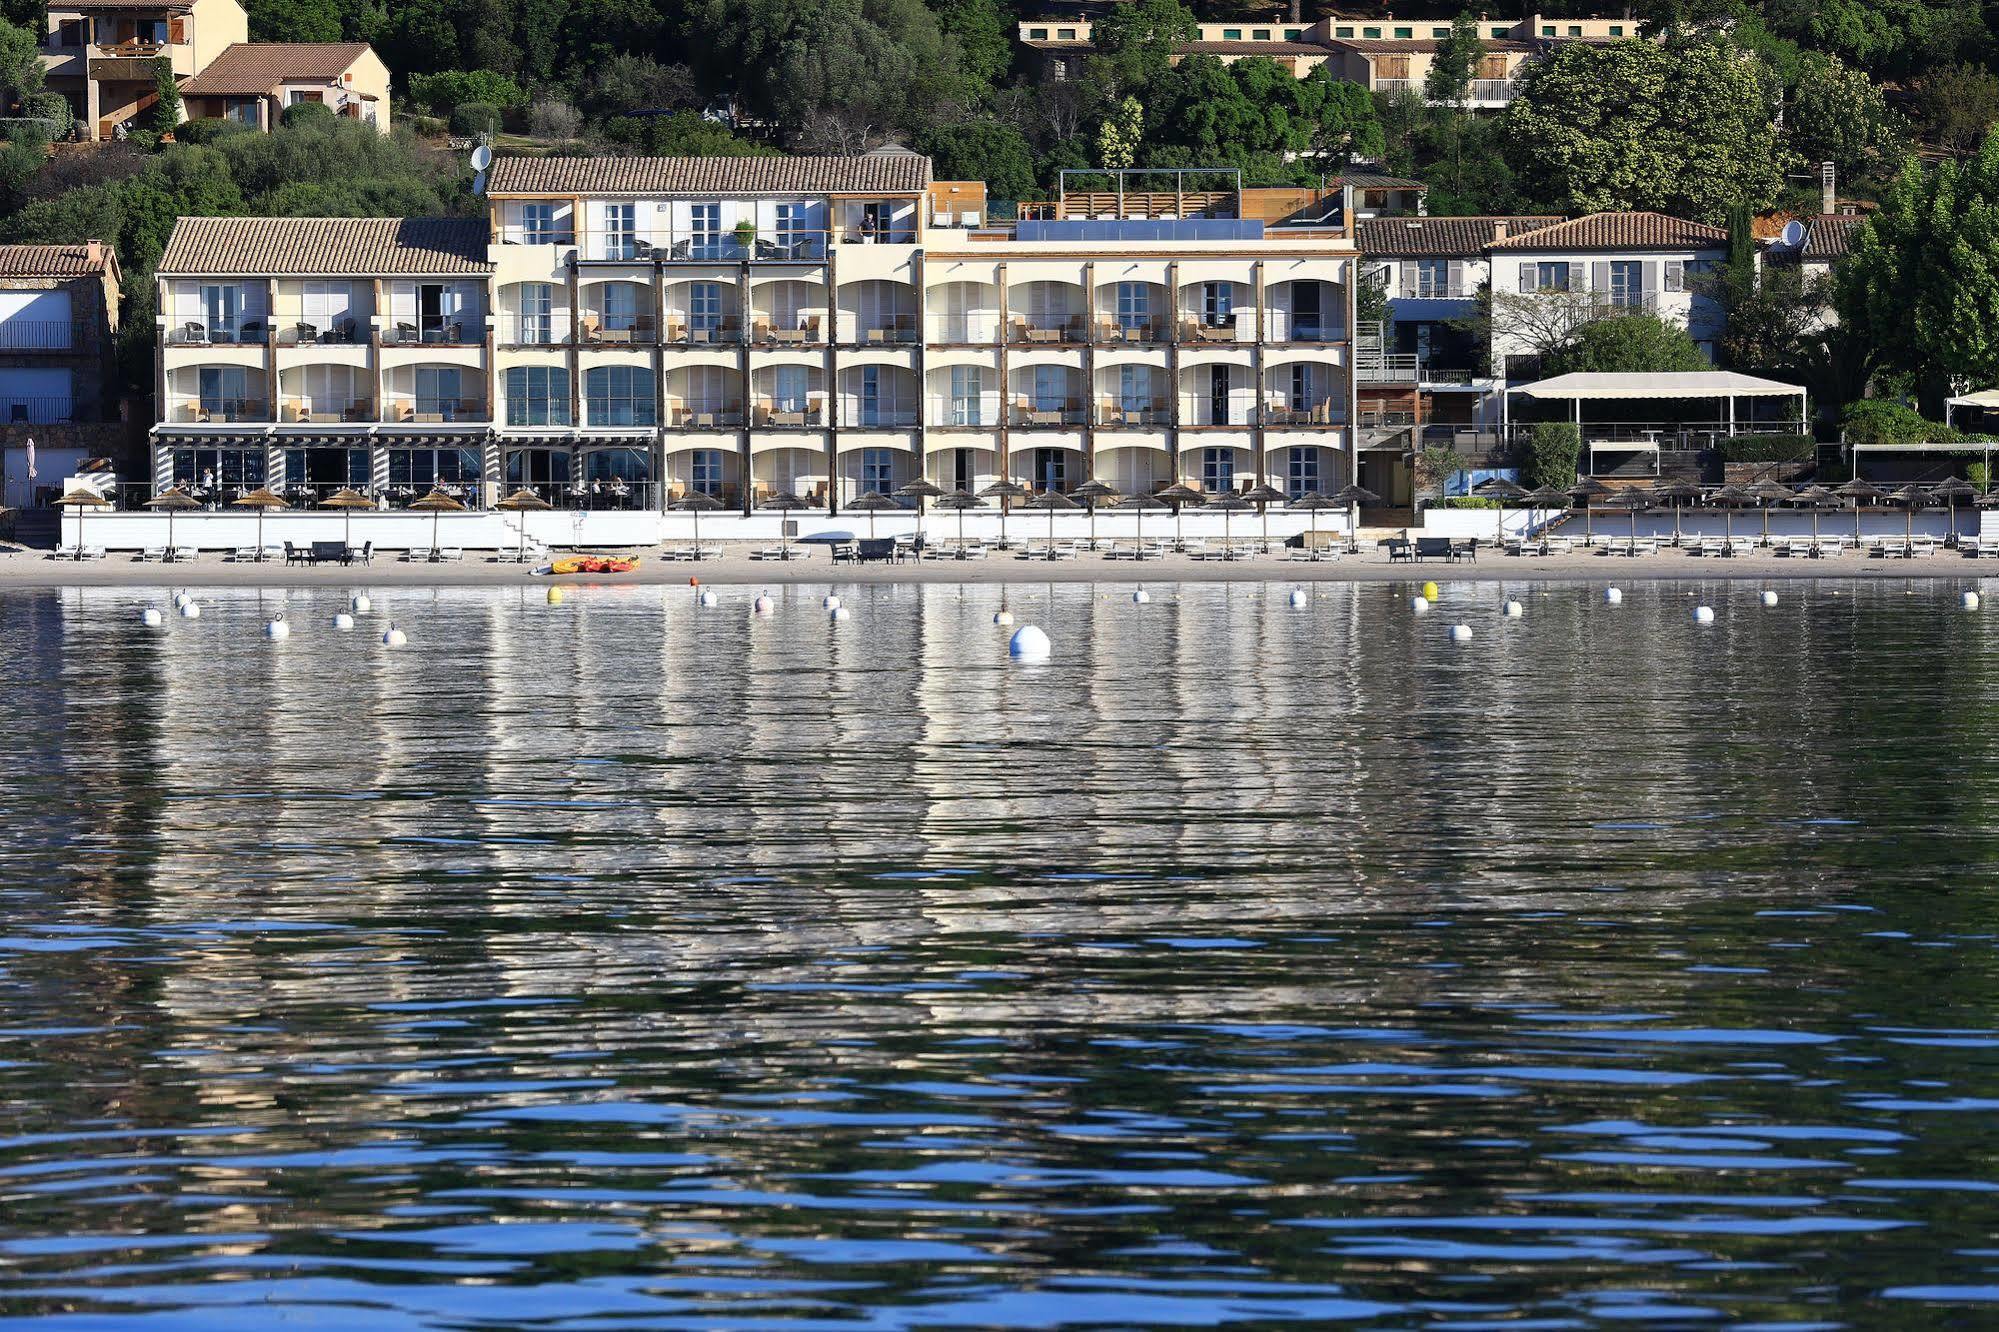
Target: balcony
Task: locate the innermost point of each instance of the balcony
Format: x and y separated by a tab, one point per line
662	246
219	411
43	335
1325	413
980	330
767	413
1121	413
766	331
1386	368
1492	92
1047	414
964	411
55	410
435	411
1227	330
632	331
343	333
330	411
708	331
881	414
1045	330
1236	408
538	412
889	330
1131	329
195	333
704	415
442	333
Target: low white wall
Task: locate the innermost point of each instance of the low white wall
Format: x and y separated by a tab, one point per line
1483	522
489	530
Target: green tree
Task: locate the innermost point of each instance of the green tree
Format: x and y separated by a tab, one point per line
983	36
1454	63
295	21
1837	115
1922	280
1119	137
1553	448
983	148
682	134
448	89
21	70
1957	105
1135	42
1684	128
166	96
1627	344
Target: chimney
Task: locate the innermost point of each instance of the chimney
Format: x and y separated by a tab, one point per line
1828	189
93	253
1498	230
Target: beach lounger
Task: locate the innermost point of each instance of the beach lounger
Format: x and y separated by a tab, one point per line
418	555
67	553
93	553
182	554
151	553
449	553
1981	547
1707	546
1921	548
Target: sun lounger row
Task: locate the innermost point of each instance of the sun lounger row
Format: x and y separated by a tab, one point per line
1721	547
166	555
781	553
433	554
691	553
79	553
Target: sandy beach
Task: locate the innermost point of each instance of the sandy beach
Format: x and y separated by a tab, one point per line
34	568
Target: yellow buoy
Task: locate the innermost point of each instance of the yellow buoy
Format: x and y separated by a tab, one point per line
555	596
1430	591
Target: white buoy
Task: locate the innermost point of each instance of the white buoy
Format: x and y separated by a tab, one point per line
276	629
1969	601
1461	633
1298	597
190	609
394	637
708	598
181	599
1003	617
1703	615
1419	604
1612	596
1029	644
763	605
151	617
1769	598
1512	610
831	603
360	604
838	613
343	621
1141	596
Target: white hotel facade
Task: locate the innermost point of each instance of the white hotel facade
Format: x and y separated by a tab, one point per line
752	326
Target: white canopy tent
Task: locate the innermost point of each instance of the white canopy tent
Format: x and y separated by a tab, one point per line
1725	385
1984	400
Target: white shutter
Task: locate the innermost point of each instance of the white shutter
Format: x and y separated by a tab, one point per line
1676	275
1599	277
1457	277
1527	286
1405	278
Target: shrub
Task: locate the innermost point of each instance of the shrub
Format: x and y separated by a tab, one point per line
1466	502
1552	450
166	93
209	129
474	118
554	120
429	127
1979	475
1878	421
306	113
1767	448
449	89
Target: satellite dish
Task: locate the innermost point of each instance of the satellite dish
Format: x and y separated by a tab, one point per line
482	157
1794	234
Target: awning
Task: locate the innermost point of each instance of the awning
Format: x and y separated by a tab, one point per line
1624	446
1671	384
1987	398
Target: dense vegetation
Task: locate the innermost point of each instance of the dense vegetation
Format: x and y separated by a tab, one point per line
1728	112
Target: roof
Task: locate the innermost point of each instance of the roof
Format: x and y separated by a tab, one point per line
1830	238
1465	236
1364	180
887	173
1252	48
86	6
54	261
1667	384
1619	231
1987	398
325	246
1411	45
247	69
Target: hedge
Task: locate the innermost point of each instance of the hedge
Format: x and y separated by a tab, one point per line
1766	448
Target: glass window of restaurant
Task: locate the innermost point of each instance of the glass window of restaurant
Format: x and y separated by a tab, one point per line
538	395
620	395
204	469
542	470
325	467
426	467
622	473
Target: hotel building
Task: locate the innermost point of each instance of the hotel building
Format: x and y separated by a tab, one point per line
743	327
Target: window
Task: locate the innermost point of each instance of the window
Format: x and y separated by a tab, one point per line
1301	472
871	395
1403	34
1302	393
1392	67
1433	278
1294	34
792	239
431	467
222	389
69	32
1135	395
232	469
439	312
790	386
1548	30
437	392
327	305
222	310
1260	35
968	387
539	469
704	230
538	395
1066	34
704	472
621	305
1345	30
619	395
1676	275
1575	30
704	307
537	313
243	110
1217	470
538	225
620	231
1037	34
1499	34
1051	388
1617	29
1217	304
1051	470
1231	34
1627	283
878	470
1440	33
1134	308
1547	276
1371	32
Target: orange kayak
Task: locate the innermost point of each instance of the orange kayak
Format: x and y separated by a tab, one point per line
594	564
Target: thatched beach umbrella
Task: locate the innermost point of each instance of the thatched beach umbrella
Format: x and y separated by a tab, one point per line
1676	491
171	501
1092	492
80	500
1313	502
784	502
1263	496
1730	498
872	503
960	500
1587	489
436	504
260	499
1633	500
1138	504
1501	489
1174	496
1228	502
698	502
521	501
1815	498
1546	497
1351	497
922	489
1002	490
347	499
1950	491
1859	489
1053	501
1911	497
1768	492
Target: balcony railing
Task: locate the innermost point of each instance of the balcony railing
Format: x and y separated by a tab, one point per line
859	413
1323	412
767	331
772	413
218	411
196	333
1134	413
42	334
1492	90
968	411
704	415
726	330
1048	414
550	330
730	246
330	409
1231	329
529	412
1131	328
895	330
1284	326
467	332
52	410
432	411
1387	368
1043	329
976	329
627	331
344	333
1236	408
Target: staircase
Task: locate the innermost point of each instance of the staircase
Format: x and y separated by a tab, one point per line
38	528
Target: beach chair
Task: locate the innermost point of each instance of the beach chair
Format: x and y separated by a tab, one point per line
417	555
67	553
449	553
151	553
245	554
1921	548
1708	546
92	553
182	554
